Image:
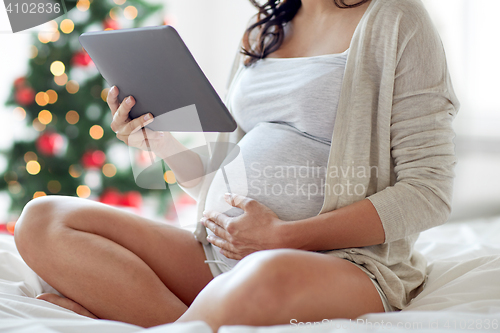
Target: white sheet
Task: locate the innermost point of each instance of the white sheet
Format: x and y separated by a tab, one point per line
462	292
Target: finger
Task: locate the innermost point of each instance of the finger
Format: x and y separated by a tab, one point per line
219	242
112	99
231	255
239	201
138	140
216	229
138	123
218	218
121	115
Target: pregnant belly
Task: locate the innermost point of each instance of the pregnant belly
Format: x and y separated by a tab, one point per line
279	167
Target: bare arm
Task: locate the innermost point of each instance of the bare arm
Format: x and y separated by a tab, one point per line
356	225
186	165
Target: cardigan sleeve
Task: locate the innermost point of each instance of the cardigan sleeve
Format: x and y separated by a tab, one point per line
421	134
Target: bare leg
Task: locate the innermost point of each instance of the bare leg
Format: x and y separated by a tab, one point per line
275	286
67	304
116	265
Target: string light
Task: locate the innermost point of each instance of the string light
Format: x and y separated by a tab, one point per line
42	98
39	194
52	25
54	186
10	176
55	36
37	125
33	52
19	113
33	167
83	5
114	14
52	96
15	187
109	170
72	117
61	80
72	87
169	177
104	94
57	68
130	12
83	191
30	156
45	117
96	132
44	37
75	171
11	225
67	26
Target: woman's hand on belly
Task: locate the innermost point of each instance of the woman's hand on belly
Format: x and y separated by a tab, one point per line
255	230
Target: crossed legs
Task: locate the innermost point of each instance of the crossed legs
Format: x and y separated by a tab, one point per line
120	266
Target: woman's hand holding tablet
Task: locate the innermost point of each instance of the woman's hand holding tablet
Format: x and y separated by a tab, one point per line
134	134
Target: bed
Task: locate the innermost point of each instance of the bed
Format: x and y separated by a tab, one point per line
462	293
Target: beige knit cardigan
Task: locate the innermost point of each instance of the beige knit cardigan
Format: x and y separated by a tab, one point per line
395	117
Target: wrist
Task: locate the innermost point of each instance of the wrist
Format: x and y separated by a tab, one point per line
288	235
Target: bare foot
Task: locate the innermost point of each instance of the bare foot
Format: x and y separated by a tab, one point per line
67	304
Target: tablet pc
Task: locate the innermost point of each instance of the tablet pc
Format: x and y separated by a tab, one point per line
154	66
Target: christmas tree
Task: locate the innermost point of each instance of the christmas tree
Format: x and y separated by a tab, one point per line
68	147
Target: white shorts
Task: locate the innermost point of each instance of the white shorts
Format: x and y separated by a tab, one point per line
216	270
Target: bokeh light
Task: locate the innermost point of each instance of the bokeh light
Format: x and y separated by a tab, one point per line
19	113
52	96
75	171
83	5
30	156
33	52
57	68
54	186
120	2
37	125
10	176
96	132
104	94
15	187
33	167
45	117
109	170
61	80
11	225
67	26
55	36
44	37
72	87
169	177
42	98
130	12
83	191
72	117
39	194
114	13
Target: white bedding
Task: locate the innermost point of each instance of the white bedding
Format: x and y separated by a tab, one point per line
462	293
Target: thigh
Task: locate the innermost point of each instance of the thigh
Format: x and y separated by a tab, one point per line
172	253
283	286
320	286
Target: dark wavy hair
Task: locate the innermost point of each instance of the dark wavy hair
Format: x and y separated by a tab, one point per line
271	18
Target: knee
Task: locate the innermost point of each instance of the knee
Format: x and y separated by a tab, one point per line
267	277
33	224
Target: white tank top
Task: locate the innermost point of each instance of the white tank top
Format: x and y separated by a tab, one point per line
285	106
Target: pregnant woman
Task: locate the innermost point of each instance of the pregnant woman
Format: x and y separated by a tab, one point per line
344	112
